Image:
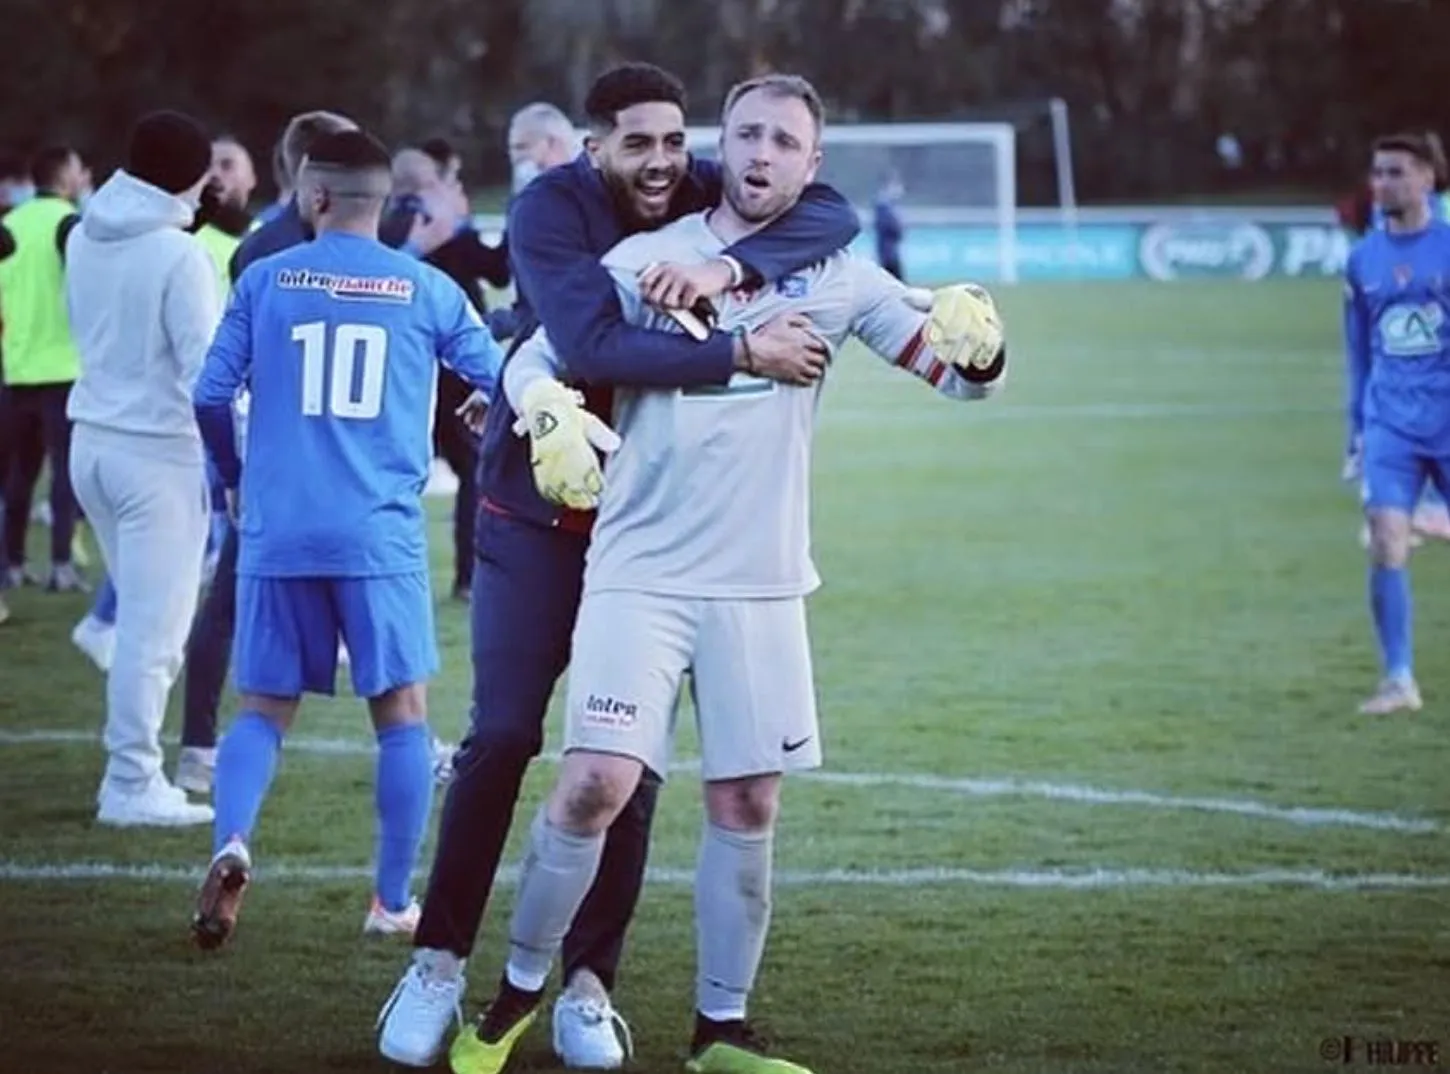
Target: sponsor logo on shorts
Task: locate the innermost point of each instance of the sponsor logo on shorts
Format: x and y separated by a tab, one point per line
605	711
791	747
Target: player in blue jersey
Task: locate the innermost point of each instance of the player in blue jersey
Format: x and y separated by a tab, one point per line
1397	339
1431	517
337	341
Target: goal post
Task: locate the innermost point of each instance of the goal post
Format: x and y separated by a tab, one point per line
952	175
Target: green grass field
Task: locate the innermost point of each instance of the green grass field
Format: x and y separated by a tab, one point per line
1088	657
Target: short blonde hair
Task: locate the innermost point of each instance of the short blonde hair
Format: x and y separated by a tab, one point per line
303	130
779	86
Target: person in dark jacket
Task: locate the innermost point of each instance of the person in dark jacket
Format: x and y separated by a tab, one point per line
635	175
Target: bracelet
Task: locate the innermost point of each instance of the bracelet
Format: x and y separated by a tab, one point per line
744	337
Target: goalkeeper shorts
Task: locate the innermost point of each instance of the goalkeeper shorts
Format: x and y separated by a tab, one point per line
750	676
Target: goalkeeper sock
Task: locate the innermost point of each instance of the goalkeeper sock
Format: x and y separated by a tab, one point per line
403	796
559	870
1389	592
246	760
732	917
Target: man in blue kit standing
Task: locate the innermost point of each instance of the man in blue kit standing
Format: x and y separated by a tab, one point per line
1397	341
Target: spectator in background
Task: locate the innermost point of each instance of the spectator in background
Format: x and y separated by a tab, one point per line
287	228
283	184
450	163
14	188
219	225
540	137
888	227
144	304
40	362
433	174
223	220
15	184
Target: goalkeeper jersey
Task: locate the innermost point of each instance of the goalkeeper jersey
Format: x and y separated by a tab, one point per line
709	495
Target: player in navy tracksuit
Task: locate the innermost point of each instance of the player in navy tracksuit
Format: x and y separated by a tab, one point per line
1397	336
529	572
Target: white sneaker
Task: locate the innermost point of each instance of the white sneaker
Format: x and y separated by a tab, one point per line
1393	695
589	1034
157	805
384	922
97	640
413	1023
196	769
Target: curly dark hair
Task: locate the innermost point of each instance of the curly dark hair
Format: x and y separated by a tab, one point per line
627	85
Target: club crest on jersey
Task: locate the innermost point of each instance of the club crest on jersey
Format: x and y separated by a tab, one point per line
792	286
348	288
1411	330
1404	274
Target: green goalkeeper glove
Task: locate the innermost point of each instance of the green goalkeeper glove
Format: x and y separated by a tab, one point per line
964	328
563	437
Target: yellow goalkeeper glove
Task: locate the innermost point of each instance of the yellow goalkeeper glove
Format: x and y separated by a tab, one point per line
563	437
964	328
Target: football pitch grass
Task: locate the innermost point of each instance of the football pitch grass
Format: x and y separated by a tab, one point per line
1096	797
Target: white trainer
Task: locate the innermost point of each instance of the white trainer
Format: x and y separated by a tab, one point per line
413	1024
384	922
589	1033
1393	695
196	769
97	640
158	804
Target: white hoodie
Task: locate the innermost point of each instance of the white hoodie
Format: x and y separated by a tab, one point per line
143	305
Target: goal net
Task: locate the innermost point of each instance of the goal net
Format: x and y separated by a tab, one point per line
952	175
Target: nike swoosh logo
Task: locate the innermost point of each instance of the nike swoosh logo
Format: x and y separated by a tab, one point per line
791	747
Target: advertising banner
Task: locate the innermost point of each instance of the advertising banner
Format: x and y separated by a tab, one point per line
1222	247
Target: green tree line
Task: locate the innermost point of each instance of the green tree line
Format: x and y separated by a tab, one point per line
1151	85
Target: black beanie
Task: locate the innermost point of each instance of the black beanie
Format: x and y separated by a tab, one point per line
169	150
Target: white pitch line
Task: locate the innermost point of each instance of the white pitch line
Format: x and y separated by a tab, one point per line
1069	879
970	786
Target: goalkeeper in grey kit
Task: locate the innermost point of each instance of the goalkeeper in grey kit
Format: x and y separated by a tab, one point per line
701	560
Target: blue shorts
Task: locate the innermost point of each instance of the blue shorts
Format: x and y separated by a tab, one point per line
1396	469
288	628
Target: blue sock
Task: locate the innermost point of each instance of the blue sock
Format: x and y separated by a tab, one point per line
246	759
1389	598
404	795
104	608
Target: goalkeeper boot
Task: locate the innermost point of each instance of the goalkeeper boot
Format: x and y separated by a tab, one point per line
220	899
733	1047
1395	694
485	1047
